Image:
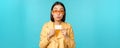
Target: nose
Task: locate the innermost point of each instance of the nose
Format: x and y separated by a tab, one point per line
58	13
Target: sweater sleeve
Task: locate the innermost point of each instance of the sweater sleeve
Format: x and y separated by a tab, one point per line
70	41
43	37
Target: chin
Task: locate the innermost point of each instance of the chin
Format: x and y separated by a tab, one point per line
58	19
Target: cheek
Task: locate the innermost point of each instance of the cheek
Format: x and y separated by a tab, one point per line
54	15
61	16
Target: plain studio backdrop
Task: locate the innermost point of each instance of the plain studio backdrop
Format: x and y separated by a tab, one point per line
96	23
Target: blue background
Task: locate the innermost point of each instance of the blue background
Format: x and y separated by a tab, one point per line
96	23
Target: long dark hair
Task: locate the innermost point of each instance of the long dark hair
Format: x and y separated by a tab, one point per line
58	3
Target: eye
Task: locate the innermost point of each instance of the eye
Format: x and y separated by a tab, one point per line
58	11
54	11
61	11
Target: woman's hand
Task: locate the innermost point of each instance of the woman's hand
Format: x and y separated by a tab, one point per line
64	33
51	33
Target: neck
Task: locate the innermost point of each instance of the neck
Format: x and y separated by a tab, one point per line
57	22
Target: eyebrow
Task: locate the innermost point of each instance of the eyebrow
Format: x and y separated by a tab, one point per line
56	8
61	8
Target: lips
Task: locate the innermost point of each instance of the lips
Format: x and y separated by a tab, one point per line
58	17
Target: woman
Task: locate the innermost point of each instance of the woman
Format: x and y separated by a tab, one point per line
57	33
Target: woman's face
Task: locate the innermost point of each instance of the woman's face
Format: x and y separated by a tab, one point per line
58	12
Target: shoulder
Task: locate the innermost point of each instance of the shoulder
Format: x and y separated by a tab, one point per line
68	24
47	24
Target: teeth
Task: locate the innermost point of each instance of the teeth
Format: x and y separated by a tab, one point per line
58	27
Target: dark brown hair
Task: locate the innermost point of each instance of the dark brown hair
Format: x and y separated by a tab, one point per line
58	3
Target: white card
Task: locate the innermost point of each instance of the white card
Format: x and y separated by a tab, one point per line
58	27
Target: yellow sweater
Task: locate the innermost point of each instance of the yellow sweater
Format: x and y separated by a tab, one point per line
57	42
